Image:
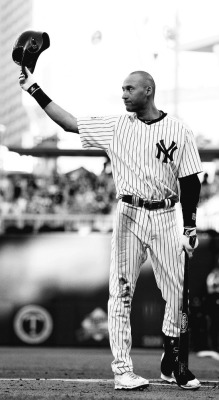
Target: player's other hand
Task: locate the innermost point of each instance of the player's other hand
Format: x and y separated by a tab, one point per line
189	241
25	83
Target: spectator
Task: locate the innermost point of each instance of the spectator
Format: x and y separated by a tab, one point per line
77	192
205	188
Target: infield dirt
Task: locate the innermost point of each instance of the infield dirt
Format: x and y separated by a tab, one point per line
85	373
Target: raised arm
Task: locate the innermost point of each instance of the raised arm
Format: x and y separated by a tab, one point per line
60	116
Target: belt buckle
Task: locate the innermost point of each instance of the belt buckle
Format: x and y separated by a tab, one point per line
153	205
150	205
147	204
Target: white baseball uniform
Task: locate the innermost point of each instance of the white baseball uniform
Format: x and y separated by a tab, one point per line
147	159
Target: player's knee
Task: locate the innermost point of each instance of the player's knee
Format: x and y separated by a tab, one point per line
125	291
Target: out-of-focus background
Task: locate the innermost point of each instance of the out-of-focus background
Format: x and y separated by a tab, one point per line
57	201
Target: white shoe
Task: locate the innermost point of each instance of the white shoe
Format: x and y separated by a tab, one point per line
170	379
130	381
167	376
192	383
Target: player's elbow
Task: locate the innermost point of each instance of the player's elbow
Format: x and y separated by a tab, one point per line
62	117
190	187
70	129
67	122
70	126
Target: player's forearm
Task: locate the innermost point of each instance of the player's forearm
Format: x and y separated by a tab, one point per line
61	117
190	190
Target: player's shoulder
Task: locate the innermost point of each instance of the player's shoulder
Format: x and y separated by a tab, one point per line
103	117
97	120
177	120
179	124
125	118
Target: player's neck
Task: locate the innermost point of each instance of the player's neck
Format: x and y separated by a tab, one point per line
148	114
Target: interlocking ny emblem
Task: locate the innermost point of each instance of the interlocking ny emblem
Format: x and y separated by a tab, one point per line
168	153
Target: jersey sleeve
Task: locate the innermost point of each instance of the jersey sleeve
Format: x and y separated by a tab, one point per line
96	131
190	162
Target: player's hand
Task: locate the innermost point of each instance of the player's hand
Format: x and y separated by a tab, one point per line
189	241
26	83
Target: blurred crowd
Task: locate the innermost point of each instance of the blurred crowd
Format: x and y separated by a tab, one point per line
78	191
209	190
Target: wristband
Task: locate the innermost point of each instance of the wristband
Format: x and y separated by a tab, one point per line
42	99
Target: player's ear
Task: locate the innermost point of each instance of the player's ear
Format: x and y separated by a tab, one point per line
149	90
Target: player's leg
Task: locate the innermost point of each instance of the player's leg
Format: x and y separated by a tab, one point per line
126	259
168	268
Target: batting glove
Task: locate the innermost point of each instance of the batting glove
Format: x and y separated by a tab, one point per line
26	83
189	241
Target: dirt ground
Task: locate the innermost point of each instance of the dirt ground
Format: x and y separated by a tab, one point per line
76	373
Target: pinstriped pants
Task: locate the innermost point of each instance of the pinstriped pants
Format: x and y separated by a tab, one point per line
138	231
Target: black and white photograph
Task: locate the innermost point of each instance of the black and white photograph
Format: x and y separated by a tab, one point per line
109	199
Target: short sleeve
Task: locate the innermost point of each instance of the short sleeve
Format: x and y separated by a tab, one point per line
96	131
190	162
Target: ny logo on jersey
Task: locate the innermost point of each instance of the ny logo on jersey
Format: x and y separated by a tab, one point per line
168	153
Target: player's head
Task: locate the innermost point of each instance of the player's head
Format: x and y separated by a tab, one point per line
138	90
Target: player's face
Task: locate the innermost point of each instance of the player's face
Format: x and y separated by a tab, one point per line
135	93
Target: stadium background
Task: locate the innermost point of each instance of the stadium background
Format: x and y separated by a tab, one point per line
55	255
57	202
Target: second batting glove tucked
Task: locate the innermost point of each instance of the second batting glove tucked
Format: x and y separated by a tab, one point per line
189	241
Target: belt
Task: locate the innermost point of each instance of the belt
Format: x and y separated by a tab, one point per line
149	205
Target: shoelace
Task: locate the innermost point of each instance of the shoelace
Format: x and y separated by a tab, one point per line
132	375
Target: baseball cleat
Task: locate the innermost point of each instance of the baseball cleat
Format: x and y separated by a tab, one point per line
130	381
168	376
167	369
193	384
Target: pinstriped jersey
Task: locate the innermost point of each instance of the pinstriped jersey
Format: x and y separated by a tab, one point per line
146	158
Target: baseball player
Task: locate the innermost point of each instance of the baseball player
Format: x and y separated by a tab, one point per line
155	163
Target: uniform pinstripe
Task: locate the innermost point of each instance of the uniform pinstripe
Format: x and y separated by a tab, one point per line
147	159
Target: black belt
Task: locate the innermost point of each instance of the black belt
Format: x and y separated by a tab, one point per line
149	205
